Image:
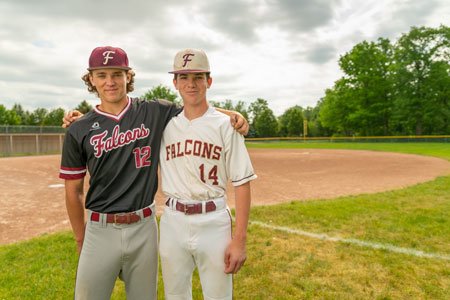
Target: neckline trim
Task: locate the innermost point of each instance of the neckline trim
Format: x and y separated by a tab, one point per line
112	116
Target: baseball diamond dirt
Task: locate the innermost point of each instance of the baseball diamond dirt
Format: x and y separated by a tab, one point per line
32	195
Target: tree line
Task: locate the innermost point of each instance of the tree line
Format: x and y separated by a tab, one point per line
39	117
388	88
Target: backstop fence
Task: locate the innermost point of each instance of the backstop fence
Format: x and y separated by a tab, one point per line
36	140
31	140
359	139
30	143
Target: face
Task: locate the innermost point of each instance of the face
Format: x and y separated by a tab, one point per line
111	84
192	88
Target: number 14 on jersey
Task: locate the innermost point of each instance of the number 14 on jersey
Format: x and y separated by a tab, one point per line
212	174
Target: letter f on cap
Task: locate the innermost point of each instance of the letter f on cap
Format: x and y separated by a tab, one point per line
107	57
187	59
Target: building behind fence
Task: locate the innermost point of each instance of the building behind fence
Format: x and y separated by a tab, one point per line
30	140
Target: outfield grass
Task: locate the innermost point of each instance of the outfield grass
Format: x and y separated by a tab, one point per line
288	266
441	150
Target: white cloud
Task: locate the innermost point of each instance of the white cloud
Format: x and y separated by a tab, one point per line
284	51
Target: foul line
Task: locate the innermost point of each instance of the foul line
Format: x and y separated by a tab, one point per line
372	245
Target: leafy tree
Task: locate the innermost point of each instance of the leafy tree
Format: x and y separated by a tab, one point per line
337	109
21	114
13	118
266	124
8	117
242	108
367	69
38	116
84	107
257	107
315	127
291	122
3	115
161	92
422	81
263	121
54	117
228	104
400	88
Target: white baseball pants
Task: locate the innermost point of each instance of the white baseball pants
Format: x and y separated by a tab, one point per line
198	240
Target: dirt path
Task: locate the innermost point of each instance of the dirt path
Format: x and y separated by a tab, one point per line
32	195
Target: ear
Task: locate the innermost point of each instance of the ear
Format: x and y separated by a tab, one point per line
175	84
209	81
91	79
128	77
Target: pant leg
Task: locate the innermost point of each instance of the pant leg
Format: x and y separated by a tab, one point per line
176	259
140	259
214	235
99	263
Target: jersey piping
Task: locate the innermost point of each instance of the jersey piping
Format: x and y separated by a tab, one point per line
112	116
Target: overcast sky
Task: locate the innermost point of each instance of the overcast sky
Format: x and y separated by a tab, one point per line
284	51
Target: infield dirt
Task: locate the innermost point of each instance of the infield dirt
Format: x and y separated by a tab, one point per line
32	195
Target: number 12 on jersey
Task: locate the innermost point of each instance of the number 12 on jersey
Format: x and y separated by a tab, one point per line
212	174
142	156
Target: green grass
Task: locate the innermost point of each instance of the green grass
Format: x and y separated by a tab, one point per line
441	150
417	217
45	268
289	266
42	268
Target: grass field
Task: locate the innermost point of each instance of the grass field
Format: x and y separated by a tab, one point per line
287	265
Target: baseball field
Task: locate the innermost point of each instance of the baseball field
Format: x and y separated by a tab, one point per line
329	221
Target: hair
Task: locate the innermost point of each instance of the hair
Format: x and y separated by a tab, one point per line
208	75
92	89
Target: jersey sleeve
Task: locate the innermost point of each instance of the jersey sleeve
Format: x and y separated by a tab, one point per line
238	163
168	110
73	162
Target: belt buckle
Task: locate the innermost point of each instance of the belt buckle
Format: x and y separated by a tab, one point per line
187	207
122	215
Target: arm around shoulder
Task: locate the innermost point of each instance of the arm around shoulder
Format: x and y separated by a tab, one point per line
239	123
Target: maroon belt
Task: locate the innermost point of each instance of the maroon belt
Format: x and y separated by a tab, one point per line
193	208
122	218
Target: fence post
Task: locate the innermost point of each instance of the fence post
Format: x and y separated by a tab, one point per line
11	143
60	142
37	143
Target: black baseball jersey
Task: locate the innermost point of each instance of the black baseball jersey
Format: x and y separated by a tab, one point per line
120	152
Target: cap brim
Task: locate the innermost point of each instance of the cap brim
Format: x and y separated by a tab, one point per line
189	71
110	67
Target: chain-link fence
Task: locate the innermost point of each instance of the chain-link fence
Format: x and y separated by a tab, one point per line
31	140
28	140
31	129
30	144
359	139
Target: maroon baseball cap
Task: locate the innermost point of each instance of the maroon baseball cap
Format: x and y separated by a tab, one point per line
108	58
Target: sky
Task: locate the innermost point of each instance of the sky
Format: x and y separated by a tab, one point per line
283	51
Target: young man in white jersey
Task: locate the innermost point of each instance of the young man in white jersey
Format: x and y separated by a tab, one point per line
200	152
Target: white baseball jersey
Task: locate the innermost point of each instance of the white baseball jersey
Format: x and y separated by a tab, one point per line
198	157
